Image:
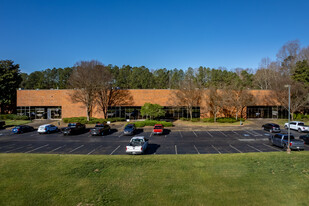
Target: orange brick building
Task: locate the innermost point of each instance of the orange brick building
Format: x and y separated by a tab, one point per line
57	104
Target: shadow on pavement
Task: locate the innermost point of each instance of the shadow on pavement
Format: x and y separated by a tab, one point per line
152	148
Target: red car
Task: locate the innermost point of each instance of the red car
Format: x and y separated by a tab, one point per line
158	129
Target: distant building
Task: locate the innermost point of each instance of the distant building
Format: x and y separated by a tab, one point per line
57	104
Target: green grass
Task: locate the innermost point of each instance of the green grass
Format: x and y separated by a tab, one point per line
11	123
231	179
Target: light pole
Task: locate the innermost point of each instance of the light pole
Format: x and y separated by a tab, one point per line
289	130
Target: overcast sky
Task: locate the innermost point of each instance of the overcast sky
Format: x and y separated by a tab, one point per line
157	34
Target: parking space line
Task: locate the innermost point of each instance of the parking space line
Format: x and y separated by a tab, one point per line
254	148
216	149
150	134
94	150
253	133
114	150
223	133
209	134
272	147
180	134
7	145
196	150
194	133
37	148
57	148
76	148
235	148
14	149
176	149
120	135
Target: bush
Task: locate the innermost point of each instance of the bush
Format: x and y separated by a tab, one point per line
300	116
195	119
229	119
208	120
13	117
152	123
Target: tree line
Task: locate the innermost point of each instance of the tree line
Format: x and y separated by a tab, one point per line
290	68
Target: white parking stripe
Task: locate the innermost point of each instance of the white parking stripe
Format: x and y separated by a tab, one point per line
253	133
196	150
76	148
114	150
235	148
150	134
7	145
254	148
176	149
94	150
223	133
37	148
209	134
216	149
57	148
180	134
272	147
14	149
194	133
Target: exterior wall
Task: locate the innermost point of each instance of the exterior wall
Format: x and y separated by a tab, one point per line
139	98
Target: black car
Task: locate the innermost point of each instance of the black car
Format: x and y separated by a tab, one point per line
305	138
74	128
129	129
271	127
100	129
2	123
22	128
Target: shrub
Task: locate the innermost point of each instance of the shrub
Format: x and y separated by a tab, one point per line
13	117
92	120
208	120
195	119
152	123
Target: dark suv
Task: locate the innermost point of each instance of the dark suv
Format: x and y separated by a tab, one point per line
271	127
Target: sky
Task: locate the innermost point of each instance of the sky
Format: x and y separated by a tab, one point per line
157	34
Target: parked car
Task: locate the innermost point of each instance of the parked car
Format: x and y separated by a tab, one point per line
2	123
271	127
129	129
137	145
74	128
281	140
22	128
305	138
297	125
158	129
100	129
47	128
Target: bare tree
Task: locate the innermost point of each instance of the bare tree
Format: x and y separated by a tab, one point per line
238	98
288	56
188	95
215	101
85	80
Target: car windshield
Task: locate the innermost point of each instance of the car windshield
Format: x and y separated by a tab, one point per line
158	127
129	127
72	125
99	125
17	127
286	137
136	142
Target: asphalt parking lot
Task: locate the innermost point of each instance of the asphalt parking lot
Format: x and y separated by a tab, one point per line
171	142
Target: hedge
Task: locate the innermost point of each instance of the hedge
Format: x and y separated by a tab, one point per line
152	123
300	116
92	120
13	117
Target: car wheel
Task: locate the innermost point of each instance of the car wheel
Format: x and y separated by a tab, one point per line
285	127
299	130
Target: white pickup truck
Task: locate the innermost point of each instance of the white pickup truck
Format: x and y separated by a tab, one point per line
296	125
137	145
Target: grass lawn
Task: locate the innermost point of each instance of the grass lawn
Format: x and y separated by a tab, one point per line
225	179
11	123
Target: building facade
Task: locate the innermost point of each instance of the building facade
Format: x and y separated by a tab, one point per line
57	104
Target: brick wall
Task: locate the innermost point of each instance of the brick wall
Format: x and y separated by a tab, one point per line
164	97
